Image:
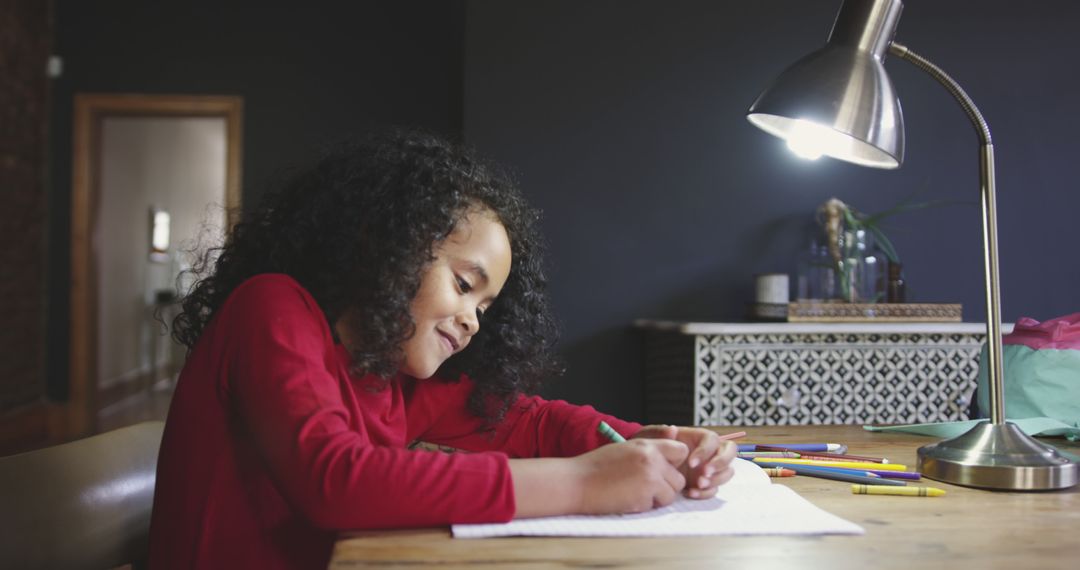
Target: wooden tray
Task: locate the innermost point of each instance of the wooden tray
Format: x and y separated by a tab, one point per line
840	312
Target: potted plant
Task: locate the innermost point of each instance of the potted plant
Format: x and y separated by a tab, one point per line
864	260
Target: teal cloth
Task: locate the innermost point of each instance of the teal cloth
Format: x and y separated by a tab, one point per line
1041	386
1041	383
1031	426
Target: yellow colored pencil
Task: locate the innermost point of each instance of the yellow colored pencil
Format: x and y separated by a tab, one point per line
845	464
903	491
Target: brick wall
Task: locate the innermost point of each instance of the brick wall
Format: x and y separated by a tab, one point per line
25	37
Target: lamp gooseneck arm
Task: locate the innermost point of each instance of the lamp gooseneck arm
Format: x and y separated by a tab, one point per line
989	210
982	129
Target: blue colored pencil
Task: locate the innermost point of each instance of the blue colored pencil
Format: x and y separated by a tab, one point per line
912	475
847	470
784	454
832	473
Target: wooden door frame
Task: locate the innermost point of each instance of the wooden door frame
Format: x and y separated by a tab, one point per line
79	416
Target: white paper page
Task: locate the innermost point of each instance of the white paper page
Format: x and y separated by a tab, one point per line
748	504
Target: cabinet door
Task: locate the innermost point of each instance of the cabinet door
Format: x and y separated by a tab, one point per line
798	379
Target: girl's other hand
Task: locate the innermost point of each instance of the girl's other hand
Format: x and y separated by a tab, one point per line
631	477
708	464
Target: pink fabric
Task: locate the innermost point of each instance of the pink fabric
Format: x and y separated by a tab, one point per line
1062	333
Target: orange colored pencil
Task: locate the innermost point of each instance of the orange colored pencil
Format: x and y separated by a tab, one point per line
778	472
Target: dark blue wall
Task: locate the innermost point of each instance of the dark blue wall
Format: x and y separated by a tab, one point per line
625	121
309	73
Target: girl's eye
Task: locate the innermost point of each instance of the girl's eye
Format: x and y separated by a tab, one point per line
463	285
480	314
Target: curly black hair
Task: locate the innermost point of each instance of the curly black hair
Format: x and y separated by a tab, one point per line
358	229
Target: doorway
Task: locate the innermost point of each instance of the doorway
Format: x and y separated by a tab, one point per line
154	177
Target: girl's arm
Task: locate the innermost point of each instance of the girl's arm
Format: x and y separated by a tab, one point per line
627	477
532	426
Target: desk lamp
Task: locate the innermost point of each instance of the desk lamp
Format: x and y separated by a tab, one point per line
839	102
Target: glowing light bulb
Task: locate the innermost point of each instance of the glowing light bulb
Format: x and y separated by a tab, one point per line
804	149
808	140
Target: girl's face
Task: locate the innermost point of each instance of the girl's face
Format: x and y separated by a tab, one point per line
470	268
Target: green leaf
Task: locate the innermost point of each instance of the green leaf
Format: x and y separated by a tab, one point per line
885	245
909	206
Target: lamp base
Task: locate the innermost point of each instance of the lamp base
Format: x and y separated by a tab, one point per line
997	456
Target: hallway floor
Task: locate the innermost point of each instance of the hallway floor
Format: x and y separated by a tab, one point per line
152	404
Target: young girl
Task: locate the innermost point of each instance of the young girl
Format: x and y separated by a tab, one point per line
393	293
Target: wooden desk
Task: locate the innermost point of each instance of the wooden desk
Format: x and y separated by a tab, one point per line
967	528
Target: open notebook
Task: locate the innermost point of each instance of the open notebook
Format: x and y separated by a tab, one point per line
747	504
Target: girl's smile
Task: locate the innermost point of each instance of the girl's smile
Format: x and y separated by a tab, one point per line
470	268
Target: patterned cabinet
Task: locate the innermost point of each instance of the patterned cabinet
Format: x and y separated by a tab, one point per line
809	373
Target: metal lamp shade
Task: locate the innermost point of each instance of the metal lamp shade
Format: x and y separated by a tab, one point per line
839	102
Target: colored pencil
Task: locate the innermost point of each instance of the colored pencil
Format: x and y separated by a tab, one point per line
859	472
779	472
848	464
825	473
829	447
912	475
733	435
610	433
825	456
890	490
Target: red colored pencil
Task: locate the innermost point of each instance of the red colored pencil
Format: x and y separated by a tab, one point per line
843	457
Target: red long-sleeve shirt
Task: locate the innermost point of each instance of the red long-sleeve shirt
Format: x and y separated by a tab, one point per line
271	446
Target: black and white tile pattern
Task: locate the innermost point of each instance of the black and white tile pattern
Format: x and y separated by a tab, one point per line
797	379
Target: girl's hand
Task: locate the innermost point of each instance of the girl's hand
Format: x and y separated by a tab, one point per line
708	464
630	477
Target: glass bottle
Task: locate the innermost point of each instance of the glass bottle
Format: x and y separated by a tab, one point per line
816	278
860	269
896	288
